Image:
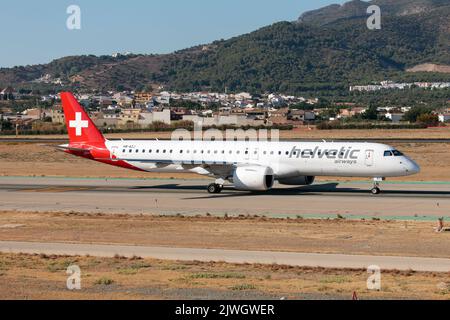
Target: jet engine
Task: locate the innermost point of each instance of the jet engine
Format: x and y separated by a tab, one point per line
253	178
297	181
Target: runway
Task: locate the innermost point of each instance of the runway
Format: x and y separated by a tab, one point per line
339	261
189	197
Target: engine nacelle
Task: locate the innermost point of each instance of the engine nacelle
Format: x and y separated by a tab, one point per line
253	178
298	181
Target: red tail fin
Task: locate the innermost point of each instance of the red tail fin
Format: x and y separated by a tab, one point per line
80	127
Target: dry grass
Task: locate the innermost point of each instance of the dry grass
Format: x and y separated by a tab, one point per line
397	238
302	132
44	277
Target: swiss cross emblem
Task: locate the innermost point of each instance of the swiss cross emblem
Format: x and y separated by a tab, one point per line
78	124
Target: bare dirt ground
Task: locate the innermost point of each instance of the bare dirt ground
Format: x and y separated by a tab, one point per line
34	159
395	238
298	133
44	277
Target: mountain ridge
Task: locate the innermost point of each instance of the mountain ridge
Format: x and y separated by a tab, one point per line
288	57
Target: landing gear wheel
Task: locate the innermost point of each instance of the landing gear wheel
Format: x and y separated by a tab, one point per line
375	190
214	188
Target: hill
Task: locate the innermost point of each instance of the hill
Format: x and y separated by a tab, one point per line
325	50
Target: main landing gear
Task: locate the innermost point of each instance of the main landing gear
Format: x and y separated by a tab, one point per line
216	187
376	185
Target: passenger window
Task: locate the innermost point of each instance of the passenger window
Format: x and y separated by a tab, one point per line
287	153
164	151
123	151
279	153
181	151
130	151
143	150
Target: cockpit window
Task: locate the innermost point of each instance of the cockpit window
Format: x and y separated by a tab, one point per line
388	154
397	153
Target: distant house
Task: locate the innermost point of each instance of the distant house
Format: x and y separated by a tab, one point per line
123	99
143	98
279	116
129	116
147	118
444	117
301	115
57	114
106	118
394	117
350	112
7	94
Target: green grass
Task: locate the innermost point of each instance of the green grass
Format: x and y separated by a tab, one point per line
104	281
223	275
335	279
127	271
243	287
55	266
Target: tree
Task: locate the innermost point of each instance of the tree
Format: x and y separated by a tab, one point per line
429	119
371	113
415	113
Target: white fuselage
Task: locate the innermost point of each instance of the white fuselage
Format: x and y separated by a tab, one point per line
286	159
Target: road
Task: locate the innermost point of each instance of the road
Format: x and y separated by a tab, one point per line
339	261
189	197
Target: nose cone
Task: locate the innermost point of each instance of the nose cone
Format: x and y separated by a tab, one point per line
412	167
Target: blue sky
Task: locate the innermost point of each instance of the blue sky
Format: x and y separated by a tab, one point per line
35	31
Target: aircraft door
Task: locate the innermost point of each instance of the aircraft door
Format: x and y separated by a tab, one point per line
369	158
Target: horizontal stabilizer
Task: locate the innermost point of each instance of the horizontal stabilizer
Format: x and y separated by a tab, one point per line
65	147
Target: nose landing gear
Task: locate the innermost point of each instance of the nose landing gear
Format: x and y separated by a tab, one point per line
376	185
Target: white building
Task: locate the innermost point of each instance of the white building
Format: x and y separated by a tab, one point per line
146	118
394	117
444	117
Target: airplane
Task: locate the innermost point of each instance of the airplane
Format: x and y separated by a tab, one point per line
248	165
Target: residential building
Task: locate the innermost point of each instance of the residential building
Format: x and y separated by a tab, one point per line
444	117
301	115
143	98
394	117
